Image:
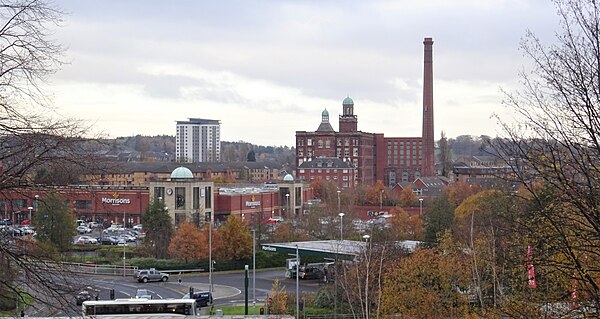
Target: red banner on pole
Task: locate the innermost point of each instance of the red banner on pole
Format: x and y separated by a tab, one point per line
530	270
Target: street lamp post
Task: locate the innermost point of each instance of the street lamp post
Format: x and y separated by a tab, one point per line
210	262
297	282
287	205
124	245
254	271
381	200
420	207
30	208
341	226
367	260
336	259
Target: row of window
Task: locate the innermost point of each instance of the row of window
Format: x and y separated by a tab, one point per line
327	143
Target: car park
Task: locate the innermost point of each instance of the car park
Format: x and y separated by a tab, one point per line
145	275
203	298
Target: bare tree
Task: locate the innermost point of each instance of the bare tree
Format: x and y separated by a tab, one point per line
554	150
32	138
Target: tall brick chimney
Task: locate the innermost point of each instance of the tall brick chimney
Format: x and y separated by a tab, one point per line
428	135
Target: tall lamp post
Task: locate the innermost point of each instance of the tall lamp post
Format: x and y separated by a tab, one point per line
30	208
368	260
124	245
420	207
287	205
254	271
381	200
341	226
336	258
210	262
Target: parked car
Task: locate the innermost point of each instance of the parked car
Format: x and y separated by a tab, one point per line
27	230
85	240
203	298
83	229
137	227
6	221
143	293
107	240
145	275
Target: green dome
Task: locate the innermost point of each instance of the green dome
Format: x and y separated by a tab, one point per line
348	101
182	172
325	113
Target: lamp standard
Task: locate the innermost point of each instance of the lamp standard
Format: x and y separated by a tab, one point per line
336	258
124	245
341	226
254	271
297	283
367	260
381	200
420	207
210	262
30	208
287	205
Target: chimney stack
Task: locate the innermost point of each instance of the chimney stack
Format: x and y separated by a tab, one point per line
428	133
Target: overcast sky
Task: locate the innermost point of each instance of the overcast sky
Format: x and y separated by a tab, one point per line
266	69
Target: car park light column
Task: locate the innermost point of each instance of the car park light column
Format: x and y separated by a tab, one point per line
210	262
124	245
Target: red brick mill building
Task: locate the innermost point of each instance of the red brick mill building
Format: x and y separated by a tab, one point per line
372	156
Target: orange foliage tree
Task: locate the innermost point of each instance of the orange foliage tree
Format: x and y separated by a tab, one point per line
185	242
458	192
428	277
205	241
236	240
408	198
376	193
405	226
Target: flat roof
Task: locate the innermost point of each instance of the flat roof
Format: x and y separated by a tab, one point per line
344	249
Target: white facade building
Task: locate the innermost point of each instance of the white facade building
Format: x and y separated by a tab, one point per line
198	140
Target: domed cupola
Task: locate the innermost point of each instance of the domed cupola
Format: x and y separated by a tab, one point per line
182	172
325	126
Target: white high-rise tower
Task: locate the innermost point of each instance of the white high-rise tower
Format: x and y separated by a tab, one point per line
198	140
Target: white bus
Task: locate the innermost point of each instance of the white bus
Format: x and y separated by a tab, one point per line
123	308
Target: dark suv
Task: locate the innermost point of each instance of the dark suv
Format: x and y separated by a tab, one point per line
203	298
310	273
145	275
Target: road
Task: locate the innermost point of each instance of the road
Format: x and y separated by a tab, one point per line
127	287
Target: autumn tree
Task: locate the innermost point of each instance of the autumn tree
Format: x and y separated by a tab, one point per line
428	284
186	242
408	198
404	226
236	239
279	300
556	141
159	229
377	193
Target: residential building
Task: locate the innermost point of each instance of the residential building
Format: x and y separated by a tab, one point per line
198	140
